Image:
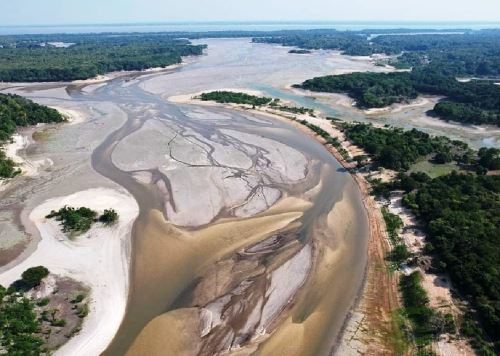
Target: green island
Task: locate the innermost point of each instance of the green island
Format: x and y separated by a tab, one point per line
475	102
30	325
299	51
15	112
79	220
26	58
226	97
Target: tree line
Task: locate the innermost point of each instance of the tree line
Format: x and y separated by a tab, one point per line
27	59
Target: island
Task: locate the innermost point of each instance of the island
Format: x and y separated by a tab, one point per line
299	51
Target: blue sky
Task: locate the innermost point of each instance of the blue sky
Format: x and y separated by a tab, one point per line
35	12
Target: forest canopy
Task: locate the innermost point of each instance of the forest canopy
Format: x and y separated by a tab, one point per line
461	214
32	59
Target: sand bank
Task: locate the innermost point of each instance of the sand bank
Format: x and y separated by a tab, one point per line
28	167
73	116
98	258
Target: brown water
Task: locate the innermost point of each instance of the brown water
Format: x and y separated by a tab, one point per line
226	169
168	261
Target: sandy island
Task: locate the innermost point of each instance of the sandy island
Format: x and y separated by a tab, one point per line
98	258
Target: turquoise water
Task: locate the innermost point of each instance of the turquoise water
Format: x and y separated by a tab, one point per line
240	26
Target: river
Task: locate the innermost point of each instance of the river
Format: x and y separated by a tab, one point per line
250	236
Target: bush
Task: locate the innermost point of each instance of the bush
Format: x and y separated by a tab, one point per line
33	276
109	217
74	219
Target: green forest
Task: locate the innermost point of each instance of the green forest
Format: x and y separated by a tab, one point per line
471	53
461	214
397	149
371	90
27	59
435	60
475	102
16	111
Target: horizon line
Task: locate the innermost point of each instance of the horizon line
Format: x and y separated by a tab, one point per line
221	22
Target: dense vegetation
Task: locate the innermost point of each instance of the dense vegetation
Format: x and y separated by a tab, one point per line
34	59
18	324
461	214
16	111
369	89
234	97
471	54
472	102
246	99
436	61
74	219
397	149
79	220
356	43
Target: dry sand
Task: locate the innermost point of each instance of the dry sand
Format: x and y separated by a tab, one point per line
28	168
98	258
73	116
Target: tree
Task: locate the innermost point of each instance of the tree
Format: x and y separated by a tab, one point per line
109	217
33	276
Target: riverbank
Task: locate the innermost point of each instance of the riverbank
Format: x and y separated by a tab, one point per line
98	258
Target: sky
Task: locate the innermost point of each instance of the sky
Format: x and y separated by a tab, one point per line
57	12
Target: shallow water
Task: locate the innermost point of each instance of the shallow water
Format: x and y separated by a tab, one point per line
212	184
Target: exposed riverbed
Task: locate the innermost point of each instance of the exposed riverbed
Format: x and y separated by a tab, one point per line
250	236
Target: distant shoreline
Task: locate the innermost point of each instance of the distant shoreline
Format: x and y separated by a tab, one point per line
206	26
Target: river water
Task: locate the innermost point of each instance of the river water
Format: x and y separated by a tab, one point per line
251	236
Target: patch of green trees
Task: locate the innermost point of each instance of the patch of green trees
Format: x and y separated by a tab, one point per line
109	217
397	149
79	220
235	97
371	90
33	276
74	219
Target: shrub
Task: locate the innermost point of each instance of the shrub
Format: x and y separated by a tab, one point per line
33	276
